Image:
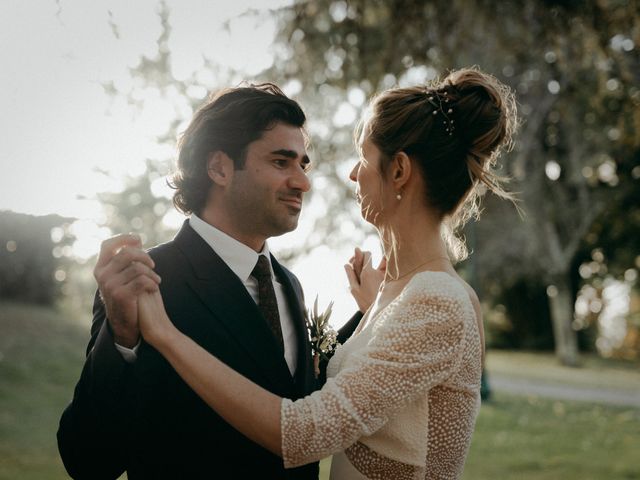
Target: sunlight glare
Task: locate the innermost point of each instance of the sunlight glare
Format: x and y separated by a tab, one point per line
173	219
160	189
88	235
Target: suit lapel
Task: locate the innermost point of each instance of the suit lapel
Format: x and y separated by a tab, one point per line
228	300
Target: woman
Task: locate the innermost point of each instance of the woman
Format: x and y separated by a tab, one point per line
402	394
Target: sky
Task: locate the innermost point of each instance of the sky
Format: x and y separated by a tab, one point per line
59	126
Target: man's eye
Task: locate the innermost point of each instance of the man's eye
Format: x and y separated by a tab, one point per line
280	162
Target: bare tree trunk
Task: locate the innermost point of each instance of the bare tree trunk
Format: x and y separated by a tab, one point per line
562	309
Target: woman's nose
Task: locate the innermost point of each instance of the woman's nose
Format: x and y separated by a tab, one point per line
354	172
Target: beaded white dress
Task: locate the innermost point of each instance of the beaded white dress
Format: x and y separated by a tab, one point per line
402	395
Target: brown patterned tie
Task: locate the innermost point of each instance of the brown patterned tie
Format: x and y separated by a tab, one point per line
267	297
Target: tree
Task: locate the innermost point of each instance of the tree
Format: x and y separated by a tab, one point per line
140	208
33	256
575	71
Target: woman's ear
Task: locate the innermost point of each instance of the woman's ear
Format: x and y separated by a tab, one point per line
220	168
400	170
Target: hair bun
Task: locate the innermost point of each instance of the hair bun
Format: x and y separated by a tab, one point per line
485	111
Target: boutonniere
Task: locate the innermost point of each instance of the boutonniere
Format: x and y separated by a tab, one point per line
324	339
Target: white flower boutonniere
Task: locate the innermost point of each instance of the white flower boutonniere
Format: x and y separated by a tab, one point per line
324	339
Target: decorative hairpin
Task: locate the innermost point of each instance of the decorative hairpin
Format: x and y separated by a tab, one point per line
448	122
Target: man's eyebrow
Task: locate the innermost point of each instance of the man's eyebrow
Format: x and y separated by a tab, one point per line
291	154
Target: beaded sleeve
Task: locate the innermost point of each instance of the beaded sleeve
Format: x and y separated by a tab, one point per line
417	343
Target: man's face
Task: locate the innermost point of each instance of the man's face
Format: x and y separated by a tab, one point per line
266	195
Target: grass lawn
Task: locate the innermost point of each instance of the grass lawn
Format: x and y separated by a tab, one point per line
540	439
41	354
595	372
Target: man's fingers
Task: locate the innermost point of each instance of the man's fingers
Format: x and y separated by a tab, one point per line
128	255
120	262
141	284
115	283
112	245
136	269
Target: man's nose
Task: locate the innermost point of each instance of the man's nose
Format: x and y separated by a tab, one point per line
300	181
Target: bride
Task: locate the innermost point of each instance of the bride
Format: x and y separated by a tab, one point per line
402	394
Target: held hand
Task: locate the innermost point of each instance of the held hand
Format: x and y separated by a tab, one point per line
123	271
155	325
364	280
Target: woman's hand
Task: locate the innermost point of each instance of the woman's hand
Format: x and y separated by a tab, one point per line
364	280
155	326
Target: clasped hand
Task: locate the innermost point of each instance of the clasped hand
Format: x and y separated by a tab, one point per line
130	291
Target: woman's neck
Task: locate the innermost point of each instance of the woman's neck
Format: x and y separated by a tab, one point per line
412	244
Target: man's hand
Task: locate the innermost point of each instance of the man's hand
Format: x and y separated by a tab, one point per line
364	280
124	271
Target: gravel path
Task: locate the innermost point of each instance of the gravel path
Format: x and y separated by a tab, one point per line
520	386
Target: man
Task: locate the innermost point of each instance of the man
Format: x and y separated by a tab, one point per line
241	176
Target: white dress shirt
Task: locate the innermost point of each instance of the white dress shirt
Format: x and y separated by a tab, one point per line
241	259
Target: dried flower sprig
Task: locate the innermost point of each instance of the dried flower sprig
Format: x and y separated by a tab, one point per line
324	338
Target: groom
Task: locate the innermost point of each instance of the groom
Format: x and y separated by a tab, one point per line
241	178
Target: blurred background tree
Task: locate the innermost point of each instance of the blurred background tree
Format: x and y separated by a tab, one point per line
34	257
576	71
573	257
576	74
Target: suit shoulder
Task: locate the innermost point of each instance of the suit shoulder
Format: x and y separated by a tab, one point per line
163	249
166	255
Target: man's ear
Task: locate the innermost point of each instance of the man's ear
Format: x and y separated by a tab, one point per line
220	168
400	170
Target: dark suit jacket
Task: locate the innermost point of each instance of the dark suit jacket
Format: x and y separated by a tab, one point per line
144	419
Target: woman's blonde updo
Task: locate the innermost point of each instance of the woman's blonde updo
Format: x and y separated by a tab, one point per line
454	129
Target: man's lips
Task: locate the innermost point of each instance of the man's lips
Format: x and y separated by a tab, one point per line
292	201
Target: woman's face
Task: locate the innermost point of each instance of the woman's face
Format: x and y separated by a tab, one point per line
369	182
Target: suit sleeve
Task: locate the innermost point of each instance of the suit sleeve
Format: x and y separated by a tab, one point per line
348	328
93	428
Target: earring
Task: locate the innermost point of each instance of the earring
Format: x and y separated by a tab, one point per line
398	196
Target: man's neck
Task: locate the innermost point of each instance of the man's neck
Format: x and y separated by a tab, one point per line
224	224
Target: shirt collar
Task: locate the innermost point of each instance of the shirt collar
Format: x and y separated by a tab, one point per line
240	258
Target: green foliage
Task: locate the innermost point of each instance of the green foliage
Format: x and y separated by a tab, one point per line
34	255
575	72
574	67
530	325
